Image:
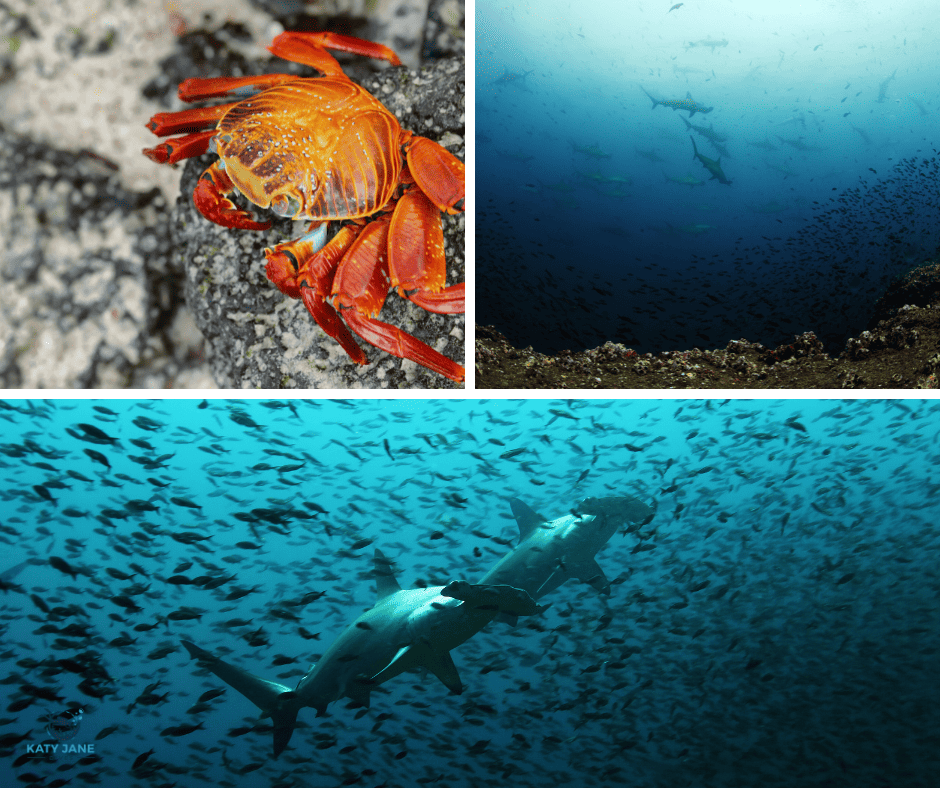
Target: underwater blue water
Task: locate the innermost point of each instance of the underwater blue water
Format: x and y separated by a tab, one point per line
824	120
774	623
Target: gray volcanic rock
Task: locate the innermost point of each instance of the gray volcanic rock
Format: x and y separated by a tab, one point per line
87	298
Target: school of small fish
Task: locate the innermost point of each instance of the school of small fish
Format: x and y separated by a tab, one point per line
764	612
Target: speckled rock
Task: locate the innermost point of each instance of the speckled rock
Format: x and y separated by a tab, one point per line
86	297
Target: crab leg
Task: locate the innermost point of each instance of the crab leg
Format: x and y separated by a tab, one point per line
164	123
301	271
197	89
438	173
416	262
308	49
180	148
393	340
359	291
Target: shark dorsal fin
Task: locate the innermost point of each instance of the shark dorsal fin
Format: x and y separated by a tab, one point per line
526	518
385	582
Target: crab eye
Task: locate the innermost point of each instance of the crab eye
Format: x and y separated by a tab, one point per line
283	205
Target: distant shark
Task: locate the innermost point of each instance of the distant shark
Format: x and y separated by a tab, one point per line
688	103
708	42
708	132
799	144
685	180
511	77
550	553
883	87
408	629
712	165
589	150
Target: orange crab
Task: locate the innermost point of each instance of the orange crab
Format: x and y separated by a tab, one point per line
325	149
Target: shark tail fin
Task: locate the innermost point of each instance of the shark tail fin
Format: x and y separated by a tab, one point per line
694	148
275	700
655	102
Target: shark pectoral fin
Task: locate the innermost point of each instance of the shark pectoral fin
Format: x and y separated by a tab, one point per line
589	572
266	695
527	519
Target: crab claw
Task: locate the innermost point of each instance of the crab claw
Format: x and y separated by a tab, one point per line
211	201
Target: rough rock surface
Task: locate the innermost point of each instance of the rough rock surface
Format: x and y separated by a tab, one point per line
901	350
87	297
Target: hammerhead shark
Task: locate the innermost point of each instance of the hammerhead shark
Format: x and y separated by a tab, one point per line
883	87
550	553
712	165
511	77
415	628
708	42
688	103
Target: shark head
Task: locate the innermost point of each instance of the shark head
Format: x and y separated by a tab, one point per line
551	552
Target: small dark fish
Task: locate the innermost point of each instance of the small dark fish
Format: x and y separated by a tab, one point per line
185	502
388	449
241	418
43	492
181	730
360	544
98	457
98	435
63	566
845	578
148	424
139	760
508	455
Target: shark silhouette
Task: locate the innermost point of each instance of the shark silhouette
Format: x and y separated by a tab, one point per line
551	553
415	628
712	165
688	103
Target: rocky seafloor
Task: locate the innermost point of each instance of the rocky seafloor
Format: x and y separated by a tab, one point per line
900	349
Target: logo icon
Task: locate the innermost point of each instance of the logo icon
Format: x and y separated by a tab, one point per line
64	725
